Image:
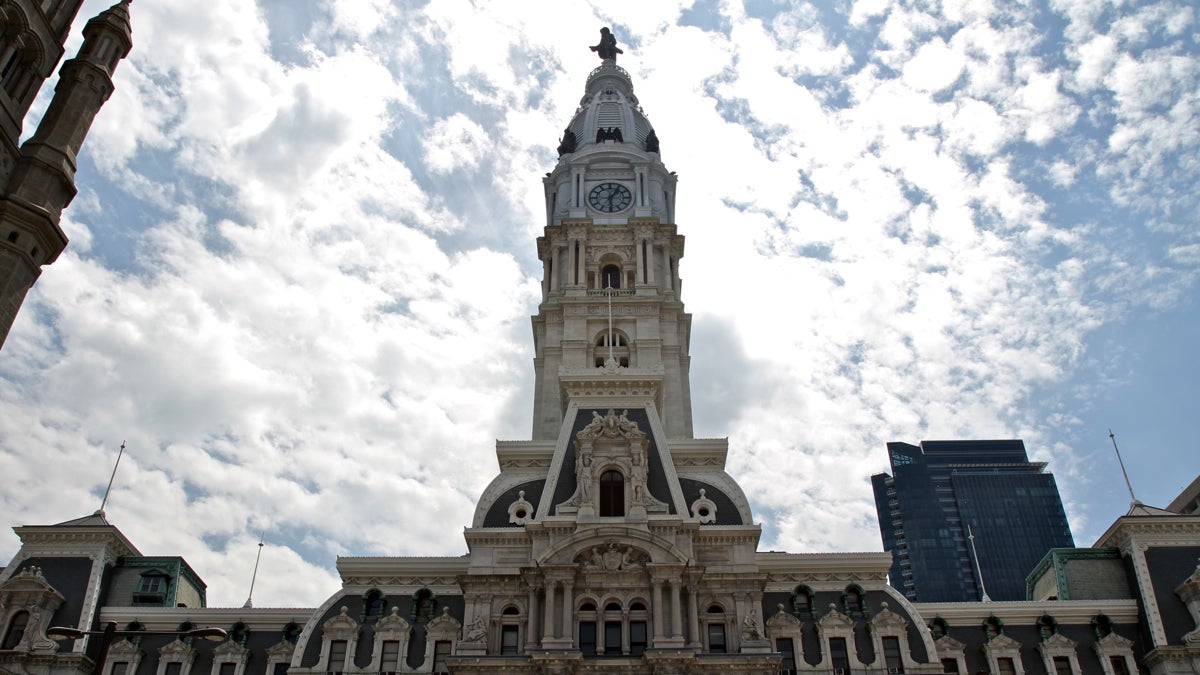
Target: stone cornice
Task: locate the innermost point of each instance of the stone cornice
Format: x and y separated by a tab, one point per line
1162	530
57	538
1028	612
169	618
358	571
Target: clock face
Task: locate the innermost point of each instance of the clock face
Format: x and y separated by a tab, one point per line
610	197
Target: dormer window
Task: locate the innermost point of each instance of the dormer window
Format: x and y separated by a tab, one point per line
152	589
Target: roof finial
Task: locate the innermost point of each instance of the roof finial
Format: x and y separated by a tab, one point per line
1133	501
254	577
104	502
607	49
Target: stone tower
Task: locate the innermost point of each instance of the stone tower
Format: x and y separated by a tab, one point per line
37	178
610	321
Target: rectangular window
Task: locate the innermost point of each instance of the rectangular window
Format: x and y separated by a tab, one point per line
227	668
120	667
441	652
950	666
173	668
612	638
891	655
787	666
337	656
587	638
637	638
1119	666
716	638
508	640
839	656
1006	666
1062	665
280	669
390	658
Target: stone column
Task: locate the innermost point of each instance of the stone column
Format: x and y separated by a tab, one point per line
531	641
676	615
656	605
568	607
548	621
649	262
694	638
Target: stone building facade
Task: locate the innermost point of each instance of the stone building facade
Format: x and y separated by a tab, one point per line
612	541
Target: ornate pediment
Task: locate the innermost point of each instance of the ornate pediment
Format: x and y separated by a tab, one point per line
443	627
835	619
231	649
340	627
948	646
281	651
1000	643
1114	642
887	621
783	619
1059	641
176	650
392	626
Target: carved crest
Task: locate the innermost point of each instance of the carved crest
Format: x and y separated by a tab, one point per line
612	558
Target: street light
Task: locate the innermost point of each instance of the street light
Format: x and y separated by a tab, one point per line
110	633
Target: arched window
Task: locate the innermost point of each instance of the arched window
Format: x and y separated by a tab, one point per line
1047	626
423	606
373	604
16	630
238	633
510	631
802	602
638	637
612	629
291	632
853	600
619	350
610	277
716	629
938	628
612	494
1102	626
587	629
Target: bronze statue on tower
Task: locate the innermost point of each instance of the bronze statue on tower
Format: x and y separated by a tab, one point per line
607	49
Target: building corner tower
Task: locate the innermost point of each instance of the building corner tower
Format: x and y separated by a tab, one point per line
37	179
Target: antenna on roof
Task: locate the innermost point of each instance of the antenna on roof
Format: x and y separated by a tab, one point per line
254	576
1133	501
975	555
104	502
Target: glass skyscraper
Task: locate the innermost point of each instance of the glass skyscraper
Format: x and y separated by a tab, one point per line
938	490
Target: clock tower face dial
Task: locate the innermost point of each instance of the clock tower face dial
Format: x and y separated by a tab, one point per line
610	197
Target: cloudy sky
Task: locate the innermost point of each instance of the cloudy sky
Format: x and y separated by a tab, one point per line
302	261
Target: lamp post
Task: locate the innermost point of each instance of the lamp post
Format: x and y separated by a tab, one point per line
111	633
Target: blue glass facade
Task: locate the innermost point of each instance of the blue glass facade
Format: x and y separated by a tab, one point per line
939	488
